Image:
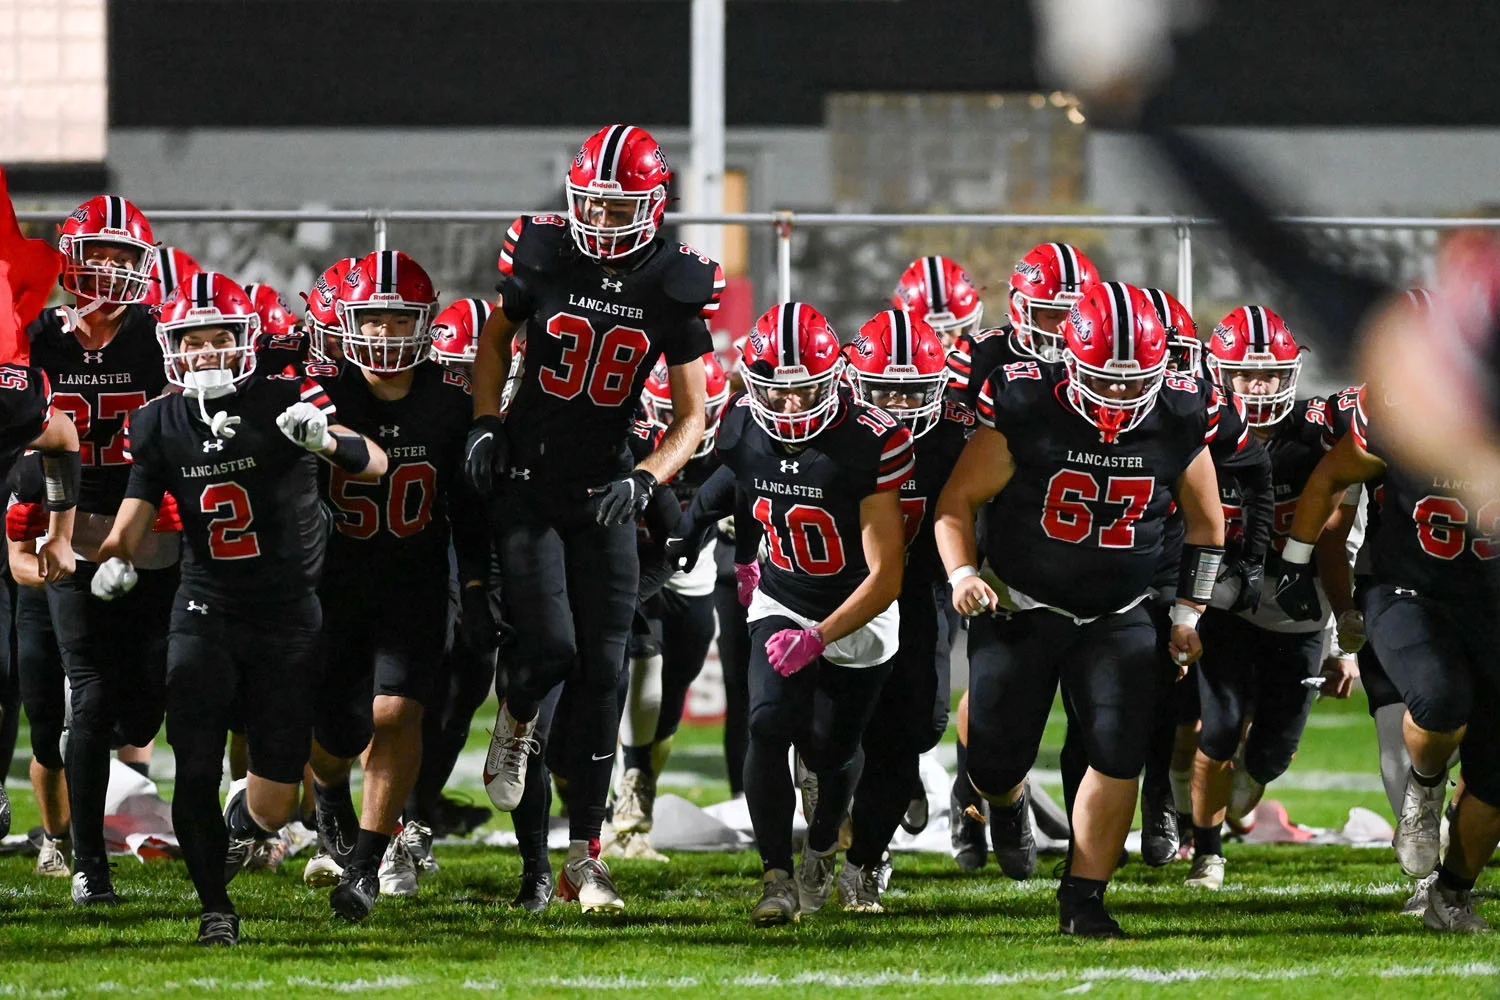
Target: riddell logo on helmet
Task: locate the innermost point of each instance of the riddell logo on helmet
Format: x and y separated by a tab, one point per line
1033	272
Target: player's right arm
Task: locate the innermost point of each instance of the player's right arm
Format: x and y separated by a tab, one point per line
492	361
984	468
58	444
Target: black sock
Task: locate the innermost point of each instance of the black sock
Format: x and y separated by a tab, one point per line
638	757
1453	882
962	788
241	824
87	765
141	767
1428	780
336	801
532	817
771	800
370	847
201	835
1076	889
1208	840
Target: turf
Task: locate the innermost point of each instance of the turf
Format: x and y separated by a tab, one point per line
1292	921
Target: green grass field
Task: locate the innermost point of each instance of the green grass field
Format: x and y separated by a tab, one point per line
1292	921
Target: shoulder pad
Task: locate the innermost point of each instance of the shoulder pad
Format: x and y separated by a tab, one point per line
693	279
536	243
732	420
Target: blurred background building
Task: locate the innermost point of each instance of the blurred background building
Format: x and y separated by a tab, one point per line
911	106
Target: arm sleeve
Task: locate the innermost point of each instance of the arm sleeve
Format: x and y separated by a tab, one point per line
747	529
312	391
663	515
961	370
714	502
471	535
690	339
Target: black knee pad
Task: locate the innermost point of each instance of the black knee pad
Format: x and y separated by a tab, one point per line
1218	741
1268	756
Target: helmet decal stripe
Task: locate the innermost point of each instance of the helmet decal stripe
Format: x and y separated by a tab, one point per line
475	312
1257	317
609	154
203	293
168	262
114	212
1159	302
1067	260
385	271
937	295
900	337
1124	322
787	331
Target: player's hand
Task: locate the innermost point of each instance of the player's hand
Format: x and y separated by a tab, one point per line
1339	674
55	560
791	649
624	500
974	596
112	579
1296	592
486	454
476	620
306	426
746	579
1252	577
1351	631
682	553
1185	647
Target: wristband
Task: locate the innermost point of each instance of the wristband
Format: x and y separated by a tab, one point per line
1297	553
62	472
1183	615
961	574
350	452
1198	571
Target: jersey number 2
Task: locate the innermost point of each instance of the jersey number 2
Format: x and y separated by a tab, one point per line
229	534
609	371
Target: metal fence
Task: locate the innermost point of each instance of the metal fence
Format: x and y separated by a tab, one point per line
847	264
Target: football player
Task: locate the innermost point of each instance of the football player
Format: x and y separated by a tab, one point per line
1430	617
604	295
1084	462
389	551
1258	657
822	471
941	293
896	363
324	330
235	449
102	358
173	267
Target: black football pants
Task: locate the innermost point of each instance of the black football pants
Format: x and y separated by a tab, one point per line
734	658
570	594
42	678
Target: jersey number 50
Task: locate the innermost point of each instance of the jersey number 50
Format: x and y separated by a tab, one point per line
608	371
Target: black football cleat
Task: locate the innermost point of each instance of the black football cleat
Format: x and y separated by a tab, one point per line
1015	844
354	897
1089	920
220	930
92	885
966	822
535	894
1159	841
4	813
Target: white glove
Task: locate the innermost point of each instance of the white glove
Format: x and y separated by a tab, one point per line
222	425
306	426
112	579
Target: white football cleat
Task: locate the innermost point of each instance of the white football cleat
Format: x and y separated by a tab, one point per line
505	765
807	787
53	860
815	878
859	888
1452	911
1416	903
322	872
634	802
1207	873
418	839
587	881
1418	831
398	871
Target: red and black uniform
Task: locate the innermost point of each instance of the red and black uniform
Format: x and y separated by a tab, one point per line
807	500
1077	535
1254	662
912	713
25	410
275	351
385	584
114	652
975	356
570	584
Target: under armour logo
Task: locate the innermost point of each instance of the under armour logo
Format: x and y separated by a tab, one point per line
788	466
213	444
613	286
391	432
202	609
520	473
93	357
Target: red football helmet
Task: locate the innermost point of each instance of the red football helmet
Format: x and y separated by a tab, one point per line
455	332
276	317
109	250
937	290
324	330
1116	356
656	397
207	299
1184	348
1253	345
173	267
617	192
897	356
387	282
1053	276
791	367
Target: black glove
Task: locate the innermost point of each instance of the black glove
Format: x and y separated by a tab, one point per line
1251	575
485	453
682	553
476	620
624	500
1296	592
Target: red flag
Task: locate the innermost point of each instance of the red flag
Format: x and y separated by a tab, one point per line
28	273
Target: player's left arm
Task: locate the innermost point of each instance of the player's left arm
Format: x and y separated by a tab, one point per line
61	468
1346	464
884	541
1197	493
312	423
983	469
1331	553
688	383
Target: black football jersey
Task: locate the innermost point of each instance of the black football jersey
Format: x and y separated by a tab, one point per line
253	525
807	500
593	335
1296	445
937	453
25	409
1080	524
975	356
1430	540
97	389
393	534
275	351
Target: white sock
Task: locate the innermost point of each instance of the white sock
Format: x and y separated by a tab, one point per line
1182	791
1394	762
643	703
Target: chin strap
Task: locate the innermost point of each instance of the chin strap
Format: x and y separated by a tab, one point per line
1110	421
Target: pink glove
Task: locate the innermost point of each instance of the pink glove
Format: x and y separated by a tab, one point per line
791	649
746	578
